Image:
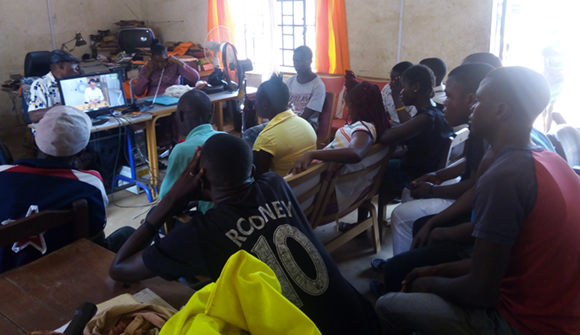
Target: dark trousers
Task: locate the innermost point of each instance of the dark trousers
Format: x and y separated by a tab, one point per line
397	267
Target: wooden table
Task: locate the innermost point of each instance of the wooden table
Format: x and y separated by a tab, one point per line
159	111
44	294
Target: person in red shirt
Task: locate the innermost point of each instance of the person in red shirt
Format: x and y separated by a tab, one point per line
523	275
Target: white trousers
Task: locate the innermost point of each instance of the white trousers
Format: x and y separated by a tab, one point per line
408	212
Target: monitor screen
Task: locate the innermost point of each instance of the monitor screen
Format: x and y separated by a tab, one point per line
130	39
93	93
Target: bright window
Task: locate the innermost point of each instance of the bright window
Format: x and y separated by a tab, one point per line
296	21
268	31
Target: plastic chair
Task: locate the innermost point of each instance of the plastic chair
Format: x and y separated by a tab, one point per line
456	147
325	119
569	138
77	218
330	212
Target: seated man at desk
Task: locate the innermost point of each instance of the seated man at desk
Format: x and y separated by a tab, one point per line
286	137
44	91
260	216
93	94
51	182
161	72
194	113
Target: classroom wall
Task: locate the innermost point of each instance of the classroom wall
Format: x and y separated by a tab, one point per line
177	20
24	25
449	30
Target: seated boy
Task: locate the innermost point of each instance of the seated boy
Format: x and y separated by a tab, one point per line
526	229
307	93
398	112
260	216
462	83
193	115
52	182
437	65
286	137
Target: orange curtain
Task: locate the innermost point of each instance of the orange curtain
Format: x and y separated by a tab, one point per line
219	14
331	39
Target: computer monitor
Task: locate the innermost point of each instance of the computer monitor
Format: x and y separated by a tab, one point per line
95	94
130	39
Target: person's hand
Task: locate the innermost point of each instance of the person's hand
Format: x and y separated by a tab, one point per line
422	237
150	68
422	191
414	275
396	88
301	164
420	285
428	177
187	186
175	60
437	235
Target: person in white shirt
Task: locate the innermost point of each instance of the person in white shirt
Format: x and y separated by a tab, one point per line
307	91
437	65
391	93
44	92
93	94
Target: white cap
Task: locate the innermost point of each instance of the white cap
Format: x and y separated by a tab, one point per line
63	131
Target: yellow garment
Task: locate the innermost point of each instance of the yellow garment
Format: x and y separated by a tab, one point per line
245	298
287	137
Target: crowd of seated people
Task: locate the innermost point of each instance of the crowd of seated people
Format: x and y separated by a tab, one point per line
486	246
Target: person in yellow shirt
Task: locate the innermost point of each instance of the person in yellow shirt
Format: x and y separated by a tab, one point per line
286	137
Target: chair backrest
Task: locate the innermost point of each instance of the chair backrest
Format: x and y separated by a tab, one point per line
335	84
557	145
309	188
77	218
329	210
457	146
37	63
569	138
325	121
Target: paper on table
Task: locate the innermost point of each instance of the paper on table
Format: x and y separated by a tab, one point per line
147	296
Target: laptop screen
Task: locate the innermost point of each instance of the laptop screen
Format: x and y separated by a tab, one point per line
93	93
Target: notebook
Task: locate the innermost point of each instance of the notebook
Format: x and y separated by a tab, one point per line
164	100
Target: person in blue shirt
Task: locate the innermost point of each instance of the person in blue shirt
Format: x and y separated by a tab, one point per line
193	115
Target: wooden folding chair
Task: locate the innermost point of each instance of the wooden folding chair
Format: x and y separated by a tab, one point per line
309	188
329	210
76	218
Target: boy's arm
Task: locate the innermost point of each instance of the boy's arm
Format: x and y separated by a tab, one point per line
262	162
128	265
479	288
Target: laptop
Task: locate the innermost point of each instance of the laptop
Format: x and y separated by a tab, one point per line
94	94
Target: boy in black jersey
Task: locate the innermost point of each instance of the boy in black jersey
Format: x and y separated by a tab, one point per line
262	217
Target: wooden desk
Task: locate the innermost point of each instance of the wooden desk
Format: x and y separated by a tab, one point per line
159	111
44	294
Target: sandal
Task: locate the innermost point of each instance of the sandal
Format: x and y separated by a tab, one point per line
378	264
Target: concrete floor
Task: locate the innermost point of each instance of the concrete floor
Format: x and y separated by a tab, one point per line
353	258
